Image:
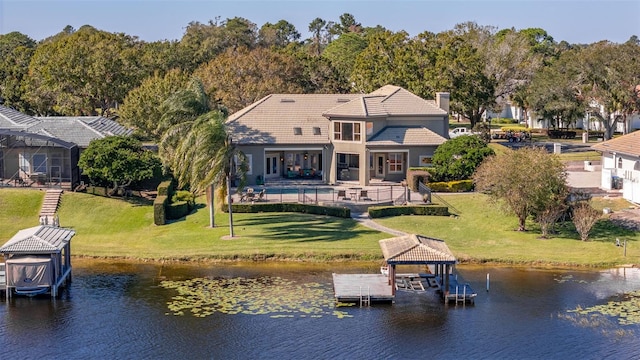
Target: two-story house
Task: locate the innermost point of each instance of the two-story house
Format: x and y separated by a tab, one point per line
361	138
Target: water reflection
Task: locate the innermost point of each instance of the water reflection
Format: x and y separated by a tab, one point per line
119	310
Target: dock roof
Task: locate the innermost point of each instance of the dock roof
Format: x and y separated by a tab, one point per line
416	249
41	239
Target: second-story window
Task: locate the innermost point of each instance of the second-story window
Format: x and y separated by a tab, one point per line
346	131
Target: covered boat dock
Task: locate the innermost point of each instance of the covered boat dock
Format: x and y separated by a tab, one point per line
412	249
37	260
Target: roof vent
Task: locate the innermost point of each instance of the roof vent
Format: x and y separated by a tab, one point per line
343	100
316	130
284	100
297	131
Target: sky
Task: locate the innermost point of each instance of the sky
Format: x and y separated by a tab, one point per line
577	22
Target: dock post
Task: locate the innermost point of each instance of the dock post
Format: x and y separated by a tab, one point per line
487	282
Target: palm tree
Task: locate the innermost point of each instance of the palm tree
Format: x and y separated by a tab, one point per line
197	148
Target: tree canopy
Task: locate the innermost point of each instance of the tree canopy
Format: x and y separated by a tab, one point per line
458	158
119	161
528	182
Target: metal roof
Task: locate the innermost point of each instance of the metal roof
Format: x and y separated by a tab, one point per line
13	119
41	239
416	249
80	129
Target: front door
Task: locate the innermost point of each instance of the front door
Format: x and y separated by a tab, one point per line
381	162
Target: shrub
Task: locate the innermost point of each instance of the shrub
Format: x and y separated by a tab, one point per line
166	188
504	121
292	207
178	209
415	176
428	210
159	217
184	196
452	186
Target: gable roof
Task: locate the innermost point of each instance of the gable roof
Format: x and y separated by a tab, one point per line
628	144
406	135
42	239
416	249
272	119
79	129
15	120
389	100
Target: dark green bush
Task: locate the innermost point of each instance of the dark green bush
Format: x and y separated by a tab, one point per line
177	210
429	210
166	188
504	121
292	207
159	217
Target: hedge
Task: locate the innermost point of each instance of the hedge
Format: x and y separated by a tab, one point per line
416	176
159	217
452	186
177	209
429	210
165	188
291	207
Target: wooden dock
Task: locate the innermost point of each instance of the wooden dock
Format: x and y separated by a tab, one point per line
362	288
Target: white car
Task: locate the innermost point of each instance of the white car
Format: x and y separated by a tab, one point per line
460	131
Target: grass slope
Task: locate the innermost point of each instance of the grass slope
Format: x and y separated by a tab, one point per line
111	227
483	233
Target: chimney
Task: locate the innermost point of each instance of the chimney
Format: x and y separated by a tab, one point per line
442	100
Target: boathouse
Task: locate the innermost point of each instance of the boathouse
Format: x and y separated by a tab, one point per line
37	260
439	264
435	255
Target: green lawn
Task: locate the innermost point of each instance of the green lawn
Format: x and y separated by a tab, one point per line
481	233
111	227
19	209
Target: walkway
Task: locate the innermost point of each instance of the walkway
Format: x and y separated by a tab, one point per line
50	205
365	220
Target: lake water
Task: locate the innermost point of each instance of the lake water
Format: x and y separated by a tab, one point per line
148	311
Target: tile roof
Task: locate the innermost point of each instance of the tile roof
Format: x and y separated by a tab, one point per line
12	119
79	130
628	144
402	135
42	239
389	100
416	249
272	119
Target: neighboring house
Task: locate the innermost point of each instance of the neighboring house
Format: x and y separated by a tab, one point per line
360	138
621	165
46	150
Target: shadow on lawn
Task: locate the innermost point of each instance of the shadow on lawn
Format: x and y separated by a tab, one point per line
305	228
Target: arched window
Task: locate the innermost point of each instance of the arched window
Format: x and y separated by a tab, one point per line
636	167
619	163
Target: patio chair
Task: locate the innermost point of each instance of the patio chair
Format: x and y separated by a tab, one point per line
364	195
343	194
261	195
